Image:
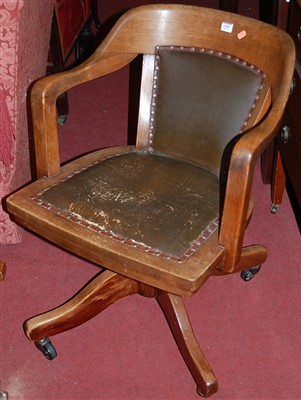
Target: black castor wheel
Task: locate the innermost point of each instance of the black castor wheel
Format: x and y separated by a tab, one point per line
248	274
47	348
274	208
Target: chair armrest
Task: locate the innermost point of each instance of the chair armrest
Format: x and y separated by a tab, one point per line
245	154
43	103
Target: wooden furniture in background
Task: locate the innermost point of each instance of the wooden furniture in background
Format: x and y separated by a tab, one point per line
228	5
2	270
274	12
287	164
163	216
71	34
73	16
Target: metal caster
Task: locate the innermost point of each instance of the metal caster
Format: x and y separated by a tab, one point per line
62	119
3	395
47	348
248	274
274	208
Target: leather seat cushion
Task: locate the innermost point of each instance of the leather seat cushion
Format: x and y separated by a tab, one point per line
156	203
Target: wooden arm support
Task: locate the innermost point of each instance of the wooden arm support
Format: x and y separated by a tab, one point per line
43	102
239	184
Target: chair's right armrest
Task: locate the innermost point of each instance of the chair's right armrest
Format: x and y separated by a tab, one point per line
44	94
245	155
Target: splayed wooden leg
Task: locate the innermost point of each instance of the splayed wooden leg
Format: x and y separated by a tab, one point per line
104	290
177	317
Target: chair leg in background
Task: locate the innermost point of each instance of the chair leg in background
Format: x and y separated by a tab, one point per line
2	270
278	183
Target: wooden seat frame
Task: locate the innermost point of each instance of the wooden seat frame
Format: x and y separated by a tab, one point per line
127	270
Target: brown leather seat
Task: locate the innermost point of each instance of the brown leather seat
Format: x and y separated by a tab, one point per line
164	215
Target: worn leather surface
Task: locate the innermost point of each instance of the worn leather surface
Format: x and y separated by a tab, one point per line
166	200
156	201
202	102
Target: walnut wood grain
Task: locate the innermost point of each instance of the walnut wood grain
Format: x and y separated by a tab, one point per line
100	293
130	270
179	323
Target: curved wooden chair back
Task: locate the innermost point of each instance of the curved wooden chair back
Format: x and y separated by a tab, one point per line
166	214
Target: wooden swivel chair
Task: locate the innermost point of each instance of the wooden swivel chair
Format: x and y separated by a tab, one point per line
163	216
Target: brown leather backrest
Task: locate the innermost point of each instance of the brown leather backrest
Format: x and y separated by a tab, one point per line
201	99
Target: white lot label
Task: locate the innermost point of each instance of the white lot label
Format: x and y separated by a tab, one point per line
227	27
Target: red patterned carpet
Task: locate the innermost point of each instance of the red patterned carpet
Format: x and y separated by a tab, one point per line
250	332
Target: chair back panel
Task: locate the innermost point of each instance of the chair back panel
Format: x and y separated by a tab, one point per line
181	25
139	31
201	99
